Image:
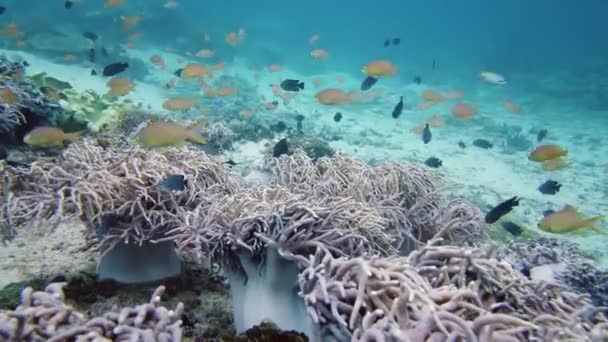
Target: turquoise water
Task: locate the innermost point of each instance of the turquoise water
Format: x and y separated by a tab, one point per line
552	54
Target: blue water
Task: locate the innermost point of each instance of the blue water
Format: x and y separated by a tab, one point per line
553	54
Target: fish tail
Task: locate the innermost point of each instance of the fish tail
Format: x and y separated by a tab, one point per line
301	85
74	135
195	136
589	224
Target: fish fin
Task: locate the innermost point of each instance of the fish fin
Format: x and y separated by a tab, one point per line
73	136
196	138
596	230
301	85
570	208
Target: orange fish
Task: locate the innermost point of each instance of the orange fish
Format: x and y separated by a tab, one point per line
287	98
179	104
205	53
453	94
332	96
160	134
69	58
511	106
276	90
436	121
158	61
245	113
463	111
319	54
136	36
114	3
193	70
128	23
231	38
274	68
313	39
120	86
46	136
8	96
219	66
547	152
380	68
432	96
317	82
12	31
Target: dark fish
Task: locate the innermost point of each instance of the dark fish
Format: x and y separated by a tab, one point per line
548	212
541	135
482	143
387	42
280	148
299	118
231	162
502	209
173	182
512	228
92	55
461	144
368	82
2	9
417	80
426	134
115	68
433	162
398	108
338	117
102	228
396	41
178	72
549	187
103	143
93	72
68	4
279	126
90	35
25	63
292	85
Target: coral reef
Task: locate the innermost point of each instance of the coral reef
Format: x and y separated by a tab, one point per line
219	136
22	106
44	316
564	263
90	182
94	110
438	293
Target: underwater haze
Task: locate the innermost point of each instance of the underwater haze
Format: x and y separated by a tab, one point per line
303	171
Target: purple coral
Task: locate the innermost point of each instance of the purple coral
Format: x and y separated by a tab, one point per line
44	316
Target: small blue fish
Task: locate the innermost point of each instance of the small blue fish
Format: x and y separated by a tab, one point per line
173	183
548	212
217	103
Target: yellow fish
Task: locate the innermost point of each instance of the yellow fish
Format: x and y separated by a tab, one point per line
568	220
46	136
161	134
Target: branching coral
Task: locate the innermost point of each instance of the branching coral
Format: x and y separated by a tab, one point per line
564	263
440	292
410	197
220	136
19	97
91	182
43	316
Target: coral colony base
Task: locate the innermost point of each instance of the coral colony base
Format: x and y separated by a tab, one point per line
333	248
